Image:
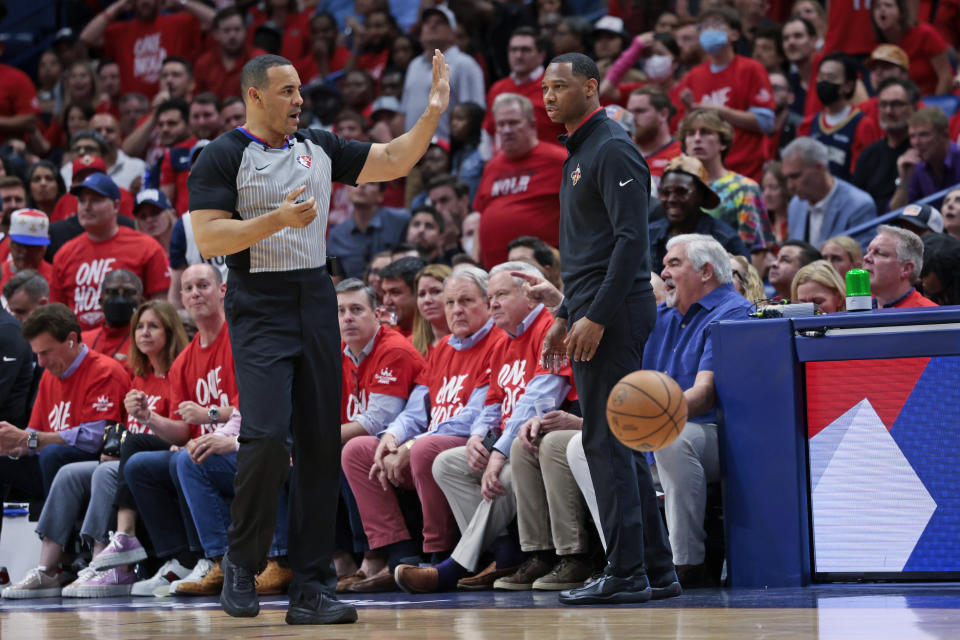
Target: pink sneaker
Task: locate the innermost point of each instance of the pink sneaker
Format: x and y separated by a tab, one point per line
103	584
121	551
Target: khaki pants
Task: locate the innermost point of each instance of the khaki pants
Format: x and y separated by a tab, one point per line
550	509
480	522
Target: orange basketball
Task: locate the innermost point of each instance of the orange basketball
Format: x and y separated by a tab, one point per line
646	410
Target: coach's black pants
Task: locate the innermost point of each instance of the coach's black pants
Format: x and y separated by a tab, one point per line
636	539
286	349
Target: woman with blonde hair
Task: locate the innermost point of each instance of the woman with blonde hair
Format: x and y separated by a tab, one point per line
843	252
746	279
821	284
430	321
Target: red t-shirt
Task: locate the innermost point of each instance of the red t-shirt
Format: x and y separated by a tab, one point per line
921	43
849	28
80	265
373	62
743	84
177	176
140	48
17	94
451	375
210	74
954	129
519	198
5	248
516	362
109	341
547	129
308	70
6	271
390	369
296	34
158	399
915	299
946	21
204	375
67	206
659	159
93	392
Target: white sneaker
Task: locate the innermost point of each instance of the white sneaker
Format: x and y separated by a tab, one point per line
36	584
203	566
105	584
85	574
168	573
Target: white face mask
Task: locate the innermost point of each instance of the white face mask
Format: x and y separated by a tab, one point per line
657	68
466	243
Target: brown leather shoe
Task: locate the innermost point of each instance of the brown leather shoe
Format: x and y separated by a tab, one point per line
343	584
380	583
274	579
485	579
416	579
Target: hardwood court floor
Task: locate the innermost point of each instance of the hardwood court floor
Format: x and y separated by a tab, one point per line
905	613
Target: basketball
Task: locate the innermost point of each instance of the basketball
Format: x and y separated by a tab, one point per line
646	410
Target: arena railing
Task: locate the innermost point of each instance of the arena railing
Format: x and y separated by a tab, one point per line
887	217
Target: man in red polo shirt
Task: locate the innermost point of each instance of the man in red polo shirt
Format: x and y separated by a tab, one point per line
80	392
218	70
894	260
141	44
81	264
737	88
525	56
519	192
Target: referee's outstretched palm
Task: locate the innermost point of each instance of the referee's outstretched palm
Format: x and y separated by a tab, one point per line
297	214
440	90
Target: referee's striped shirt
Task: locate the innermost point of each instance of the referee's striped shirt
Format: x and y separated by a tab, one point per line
241	174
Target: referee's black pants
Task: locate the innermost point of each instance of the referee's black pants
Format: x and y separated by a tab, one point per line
636	539
286	349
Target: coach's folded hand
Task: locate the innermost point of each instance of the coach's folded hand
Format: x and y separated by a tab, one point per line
294	213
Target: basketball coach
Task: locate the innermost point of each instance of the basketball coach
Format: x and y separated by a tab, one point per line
608	312
260	194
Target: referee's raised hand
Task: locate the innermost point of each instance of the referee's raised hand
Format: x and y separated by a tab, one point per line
294	213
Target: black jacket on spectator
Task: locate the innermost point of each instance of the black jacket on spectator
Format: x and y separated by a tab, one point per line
876	171
707	225
16	372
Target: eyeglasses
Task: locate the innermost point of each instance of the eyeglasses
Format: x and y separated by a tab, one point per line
892	104
740	277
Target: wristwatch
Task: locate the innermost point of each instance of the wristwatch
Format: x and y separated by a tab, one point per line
214	414
33	440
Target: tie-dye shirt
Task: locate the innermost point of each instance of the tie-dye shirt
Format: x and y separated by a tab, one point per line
742	207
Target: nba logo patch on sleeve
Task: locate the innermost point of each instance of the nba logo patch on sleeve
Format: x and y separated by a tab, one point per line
304	161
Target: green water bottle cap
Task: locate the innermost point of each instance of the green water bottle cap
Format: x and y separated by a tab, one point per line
858	282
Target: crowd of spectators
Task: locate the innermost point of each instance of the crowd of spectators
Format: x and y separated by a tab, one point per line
775	134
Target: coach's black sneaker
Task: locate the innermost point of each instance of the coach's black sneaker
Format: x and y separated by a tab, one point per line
609	589
239	595
318	608
665	585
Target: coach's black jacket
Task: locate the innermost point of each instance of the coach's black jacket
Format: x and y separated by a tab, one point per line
604	196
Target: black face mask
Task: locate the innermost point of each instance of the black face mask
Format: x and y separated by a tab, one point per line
828	92
118	311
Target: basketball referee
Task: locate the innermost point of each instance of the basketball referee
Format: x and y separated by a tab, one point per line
260	194
610	310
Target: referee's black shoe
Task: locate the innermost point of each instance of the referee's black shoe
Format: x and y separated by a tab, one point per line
239	595
308	607
609	589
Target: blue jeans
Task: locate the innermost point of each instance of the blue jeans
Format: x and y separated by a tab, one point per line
152	479
54	456
208	489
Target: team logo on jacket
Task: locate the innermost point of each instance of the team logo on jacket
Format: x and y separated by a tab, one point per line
575	176
304	161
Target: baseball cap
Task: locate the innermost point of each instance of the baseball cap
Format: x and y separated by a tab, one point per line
443	10
622	117
693	167
922	216
88	163
443	143
30	226
152	196
889	53
613	24
65	34
100	183
385	103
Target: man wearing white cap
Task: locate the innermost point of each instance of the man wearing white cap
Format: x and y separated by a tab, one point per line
28	242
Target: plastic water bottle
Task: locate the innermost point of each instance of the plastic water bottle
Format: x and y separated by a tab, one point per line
858	290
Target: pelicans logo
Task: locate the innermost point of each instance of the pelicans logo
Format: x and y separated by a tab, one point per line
575	175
